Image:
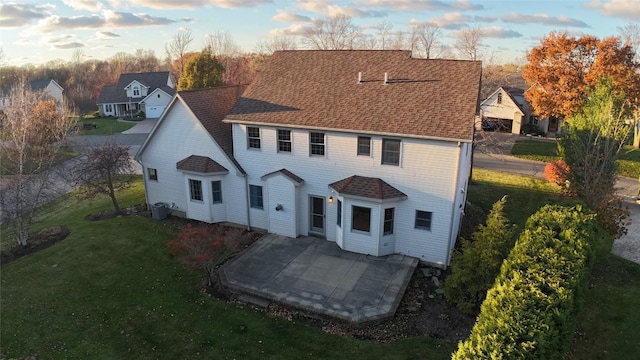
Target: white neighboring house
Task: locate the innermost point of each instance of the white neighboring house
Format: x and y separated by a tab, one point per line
508	110
149	92
48	87
367	149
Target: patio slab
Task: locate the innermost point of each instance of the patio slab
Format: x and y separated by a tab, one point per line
316	275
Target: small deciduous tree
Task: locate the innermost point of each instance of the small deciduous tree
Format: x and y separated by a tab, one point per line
590	145
202	71
475	267
331	33
557	172
32	136
469	43
106	169
205	247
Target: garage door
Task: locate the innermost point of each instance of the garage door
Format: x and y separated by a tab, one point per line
154	111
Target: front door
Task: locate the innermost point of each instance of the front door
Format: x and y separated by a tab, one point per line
316	214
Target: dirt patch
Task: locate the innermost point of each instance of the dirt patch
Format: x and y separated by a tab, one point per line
37	241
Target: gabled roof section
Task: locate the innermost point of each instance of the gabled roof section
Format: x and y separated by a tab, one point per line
367	187
210	106
200	164
286	173
136	81
511	94
167	90
35	85
316	89
152	80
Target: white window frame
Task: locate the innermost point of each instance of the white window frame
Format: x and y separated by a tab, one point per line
316	144
249	138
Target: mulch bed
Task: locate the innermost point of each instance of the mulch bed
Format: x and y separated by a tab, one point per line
37	241
139	209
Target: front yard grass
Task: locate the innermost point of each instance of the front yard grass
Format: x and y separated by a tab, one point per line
546	151
111	290
105	126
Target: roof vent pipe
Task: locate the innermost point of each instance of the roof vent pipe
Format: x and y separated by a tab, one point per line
386	79
359	77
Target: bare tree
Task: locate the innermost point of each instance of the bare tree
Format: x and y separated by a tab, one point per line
146	60
331	33
32	135
631	36
399	41
469	43
384	31
2	57
275	44
177	47
106	169
425	40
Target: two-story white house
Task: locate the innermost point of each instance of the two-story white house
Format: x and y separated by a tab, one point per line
367	149
149	92
508	110
47	88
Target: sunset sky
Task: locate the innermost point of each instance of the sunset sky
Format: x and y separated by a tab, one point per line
39	31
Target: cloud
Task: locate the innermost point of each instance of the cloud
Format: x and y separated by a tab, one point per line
542	19
191	4
14	15
104	36
288	16
293	29
625	9
326	8
58	38
109	19
497	32
418	5
71	45
88	5
454	21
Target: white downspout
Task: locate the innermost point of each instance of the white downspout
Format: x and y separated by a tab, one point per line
246	187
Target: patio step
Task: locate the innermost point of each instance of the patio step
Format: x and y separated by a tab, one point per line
255	301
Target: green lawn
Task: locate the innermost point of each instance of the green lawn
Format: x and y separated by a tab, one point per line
628	164
111	291
106	126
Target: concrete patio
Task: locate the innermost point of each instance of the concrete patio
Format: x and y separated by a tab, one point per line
316	275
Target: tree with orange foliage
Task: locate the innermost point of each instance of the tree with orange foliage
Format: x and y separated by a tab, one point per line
562	69
557	172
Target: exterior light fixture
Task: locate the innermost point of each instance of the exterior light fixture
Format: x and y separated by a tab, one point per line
330	199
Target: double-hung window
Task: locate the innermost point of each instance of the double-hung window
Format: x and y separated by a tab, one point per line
253	137
316	143
255	197
364	145
153	174
390	152
423	219
388	221
216	191
339	221
195	189
284	140
361	218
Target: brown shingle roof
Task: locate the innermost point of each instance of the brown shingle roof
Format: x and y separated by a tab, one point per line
286	173
200	164
153	80
320	89
373	188
210	107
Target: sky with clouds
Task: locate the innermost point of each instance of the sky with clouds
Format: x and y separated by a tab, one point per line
34	31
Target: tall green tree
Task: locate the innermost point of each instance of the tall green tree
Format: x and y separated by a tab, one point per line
202	71
590	144
475	267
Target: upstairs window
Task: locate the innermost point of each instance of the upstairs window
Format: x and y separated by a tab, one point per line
284	140
253	137
499	98
390	152
136	91
364	145
153	174
316	143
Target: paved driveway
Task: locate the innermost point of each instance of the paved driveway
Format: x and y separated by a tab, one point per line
316	275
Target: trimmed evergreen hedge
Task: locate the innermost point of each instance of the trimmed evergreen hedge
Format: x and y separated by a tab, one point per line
530	311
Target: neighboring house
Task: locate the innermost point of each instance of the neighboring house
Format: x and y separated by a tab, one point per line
368	149
506	109
48	88
149	92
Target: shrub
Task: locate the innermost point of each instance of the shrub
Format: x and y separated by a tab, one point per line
475	267
530	311
474	216
205	247
557	172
